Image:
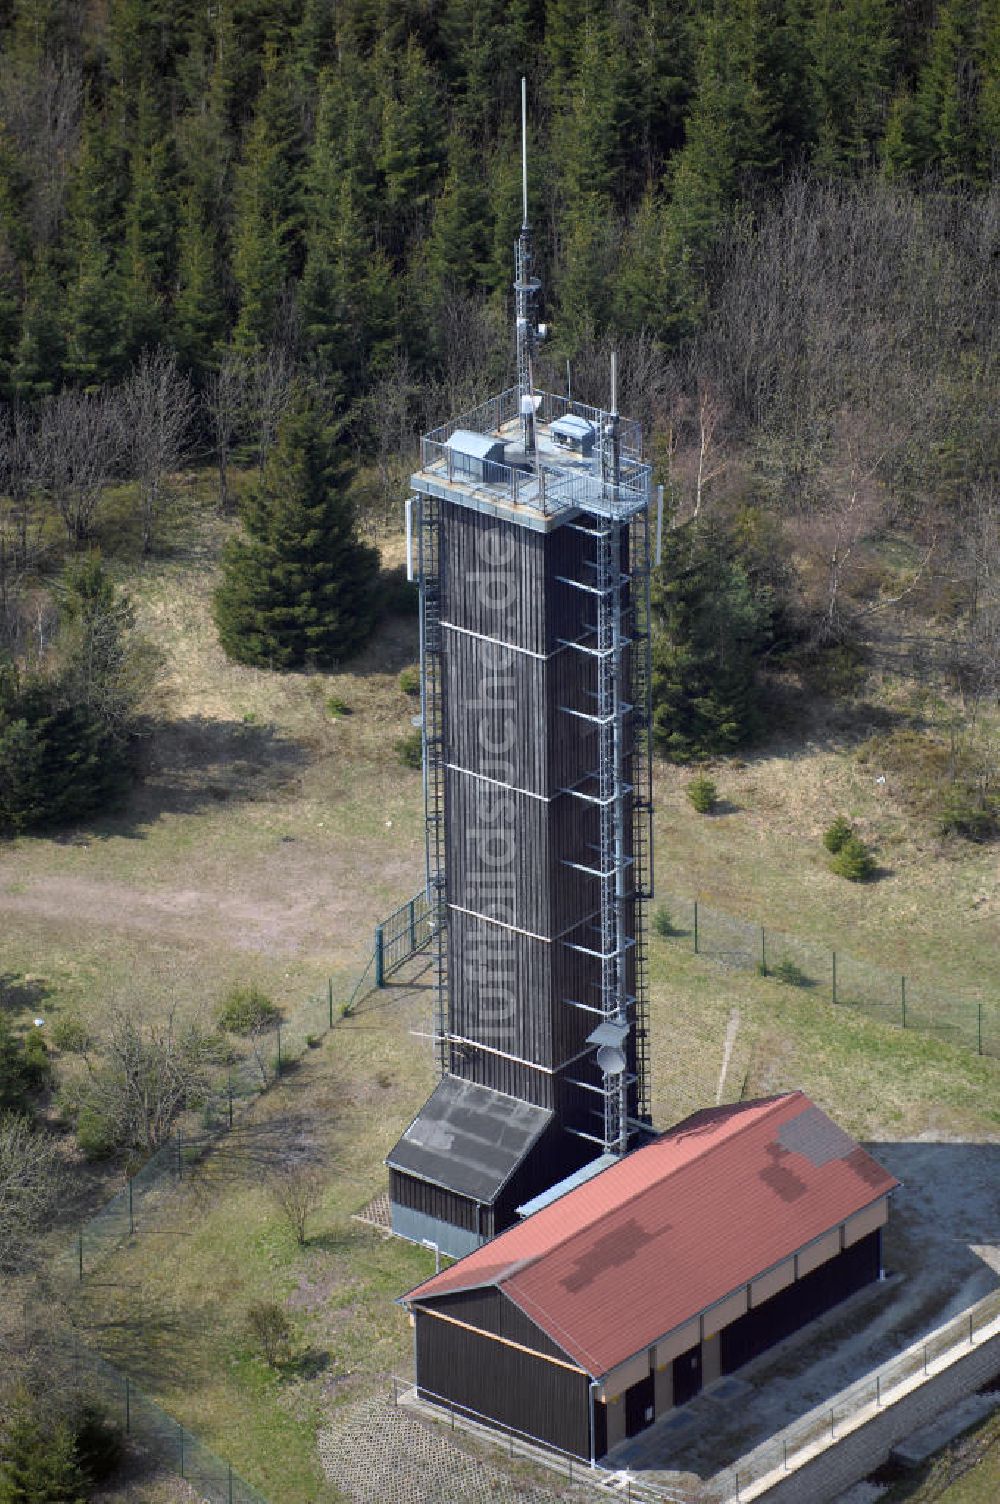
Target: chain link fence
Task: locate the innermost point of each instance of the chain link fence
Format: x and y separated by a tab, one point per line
66	1362
826	1423
256	1064
829	975
234	1085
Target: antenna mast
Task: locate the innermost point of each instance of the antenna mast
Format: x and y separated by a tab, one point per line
526	287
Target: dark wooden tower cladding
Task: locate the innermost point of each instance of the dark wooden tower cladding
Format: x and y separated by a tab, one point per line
522	999
534	623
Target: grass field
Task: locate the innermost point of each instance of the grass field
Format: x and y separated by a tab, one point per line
266	840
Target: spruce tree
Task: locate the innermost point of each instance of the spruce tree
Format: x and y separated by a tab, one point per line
297	588
710	622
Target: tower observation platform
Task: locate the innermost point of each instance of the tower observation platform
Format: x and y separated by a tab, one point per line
528	534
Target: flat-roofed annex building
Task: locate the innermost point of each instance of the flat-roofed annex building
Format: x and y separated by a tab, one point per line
678	1263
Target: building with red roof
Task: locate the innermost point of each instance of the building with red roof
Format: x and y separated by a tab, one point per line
620	1297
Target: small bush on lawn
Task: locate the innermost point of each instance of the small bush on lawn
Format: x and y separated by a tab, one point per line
967	812
410	749
853	861
703	794
247	1010
269	1331
409	680
662	922
336	707
836	834
786	971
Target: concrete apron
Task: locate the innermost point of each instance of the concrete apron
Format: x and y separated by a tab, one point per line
863	1437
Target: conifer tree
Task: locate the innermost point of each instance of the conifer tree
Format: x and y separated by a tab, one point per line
263	219
36	369
198	315
851	48
297	588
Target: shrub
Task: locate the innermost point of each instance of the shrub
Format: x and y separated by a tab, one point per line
269	1331
702	794
853	861
409	680
70	1033
410	749
786	971
95	1132
336	707
968	813
24	1067
836	834
247	1010
37	1065
662	922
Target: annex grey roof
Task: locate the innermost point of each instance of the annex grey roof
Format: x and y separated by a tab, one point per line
468	1139
573	427
478	446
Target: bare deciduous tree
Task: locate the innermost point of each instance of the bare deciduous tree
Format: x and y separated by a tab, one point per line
155	410
41	104
225	400
272	389
76	453
297	1191
141	1076
32	1181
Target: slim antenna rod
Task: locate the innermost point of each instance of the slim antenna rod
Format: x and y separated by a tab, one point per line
614	383
524	148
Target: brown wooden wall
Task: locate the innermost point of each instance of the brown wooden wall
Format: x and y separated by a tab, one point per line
506	1385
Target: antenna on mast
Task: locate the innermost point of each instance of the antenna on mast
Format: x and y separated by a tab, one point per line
526	288
524	151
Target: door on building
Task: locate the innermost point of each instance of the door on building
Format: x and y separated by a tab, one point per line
687	1375
640	1406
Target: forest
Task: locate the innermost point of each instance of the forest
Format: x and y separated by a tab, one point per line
781	213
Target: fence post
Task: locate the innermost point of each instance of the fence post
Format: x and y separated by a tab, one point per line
784	1454
278	1029
180	1160
230	1501
763	952
902	999
971	1338
696	926
878	1391
925	1362
180	1438
329	998
230	1093
128	1407
80	1253
131	1210
833	985
980	1031
379	956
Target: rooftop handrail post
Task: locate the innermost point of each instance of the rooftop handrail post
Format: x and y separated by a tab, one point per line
413	924
925	1359
784	1454
971	1337
878	1391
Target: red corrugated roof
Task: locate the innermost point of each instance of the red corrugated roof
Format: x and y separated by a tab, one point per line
675	1227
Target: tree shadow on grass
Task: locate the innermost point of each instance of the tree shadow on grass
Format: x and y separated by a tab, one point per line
20	994
194	763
